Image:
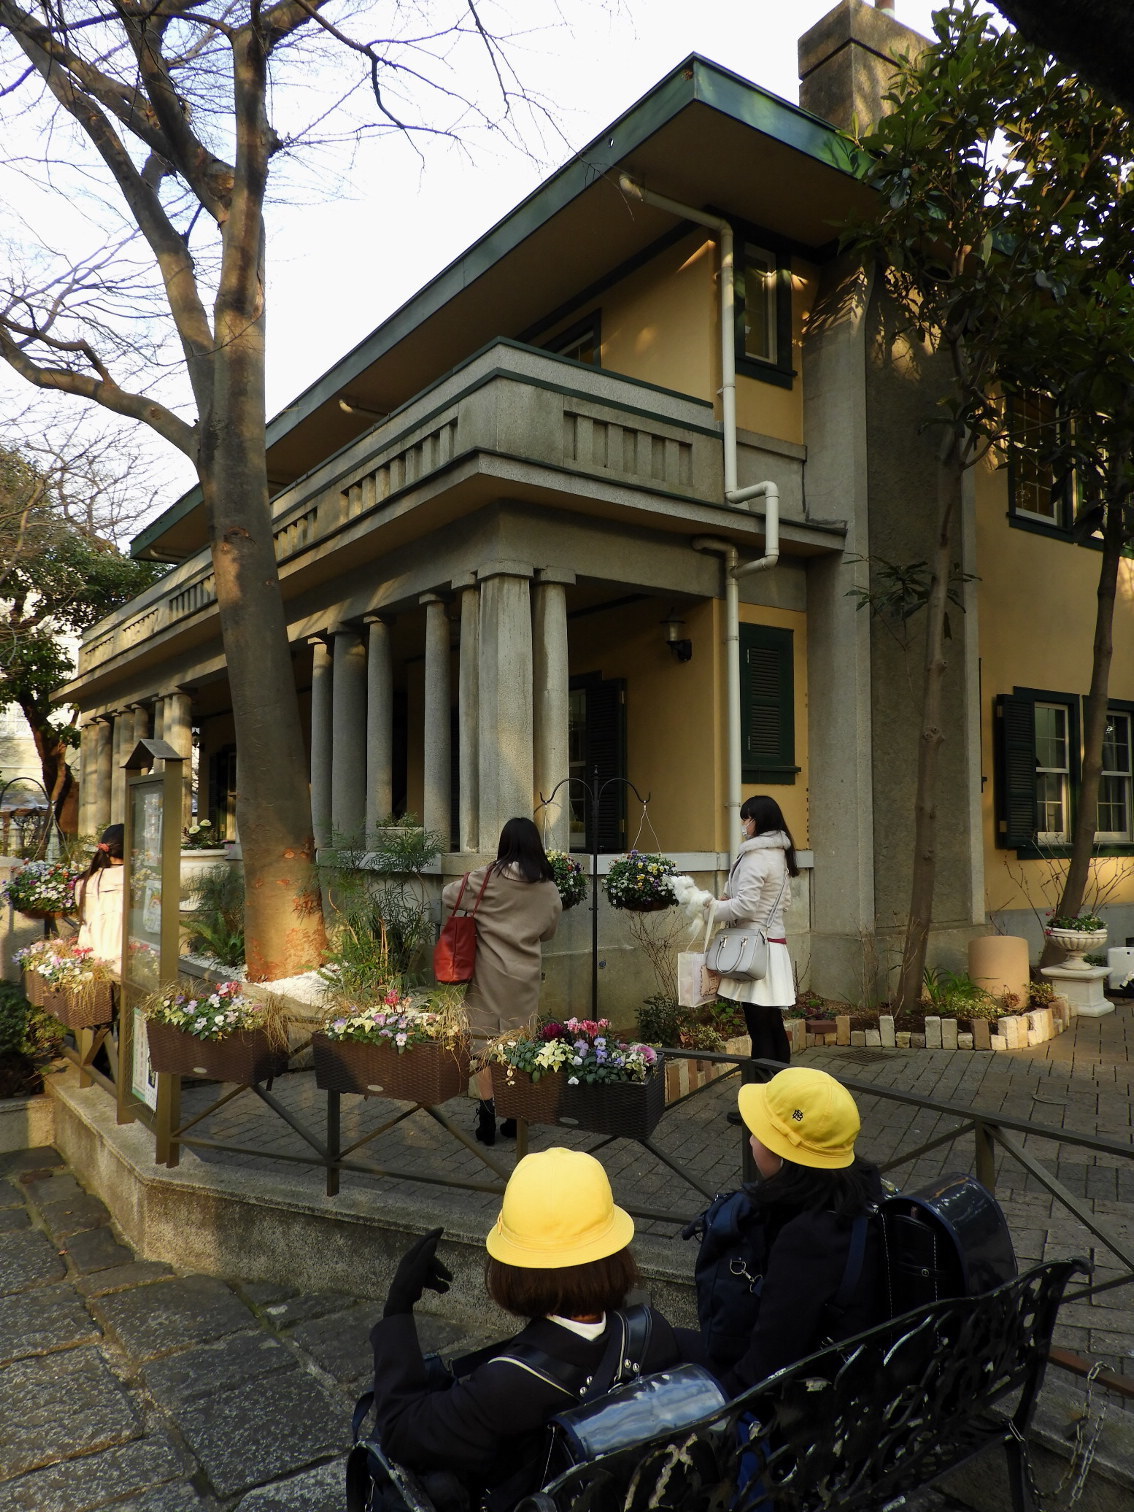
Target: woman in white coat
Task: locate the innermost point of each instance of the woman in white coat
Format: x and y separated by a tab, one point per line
758	892
101	900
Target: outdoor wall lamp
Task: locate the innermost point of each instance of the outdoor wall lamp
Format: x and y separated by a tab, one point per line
681	647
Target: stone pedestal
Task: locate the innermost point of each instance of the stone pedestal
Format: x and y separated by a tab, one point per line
1082	989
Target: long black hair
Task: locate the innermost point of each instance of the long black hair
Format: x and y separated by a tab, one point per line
849	1191
521	847
109	848
769	818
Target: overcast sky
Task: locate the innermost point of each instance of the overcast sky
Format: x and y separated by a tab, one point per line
360	235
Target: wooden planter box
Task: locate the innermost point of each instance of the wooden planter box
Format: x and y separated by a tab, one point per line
630	1110
77	1010
244	1057
424	1074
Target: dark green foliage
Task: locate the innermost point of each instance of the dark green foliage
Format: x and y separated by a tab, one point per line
217	920
25	1030
662	1022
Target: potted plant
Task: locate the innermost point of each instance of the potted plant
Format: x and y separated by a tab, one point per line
42	889
569	878
1076	936
69	982
215	1031
640	882
396	1048
576	1073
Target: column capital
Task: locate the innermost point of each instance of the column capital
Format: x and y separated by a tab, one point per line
463	580
432	598
562	575
321	638
504	568
379	619
346	627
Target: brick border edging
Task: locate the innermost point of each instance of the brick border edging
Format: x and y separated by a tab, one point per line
1014	1031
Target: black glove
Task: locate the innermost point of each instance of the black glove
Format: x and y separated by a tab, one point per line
418	1268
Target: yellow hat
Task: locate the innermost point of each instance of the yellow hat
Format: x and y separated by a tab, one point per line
803	1115
558	1210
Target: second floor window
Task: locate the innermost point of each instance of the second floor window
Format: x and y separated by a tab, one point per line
1114	821
1037	493
762	288
581	341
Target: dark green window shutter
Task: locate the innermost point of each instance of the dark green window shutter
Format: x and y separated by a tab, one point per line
606	751
767	704
1015	771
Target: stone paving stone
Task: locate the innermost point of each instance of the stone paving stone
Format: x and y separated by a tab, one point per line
11	1196
149	1321
264	1293
136	1273
61	1405
215	1367
318	1490
57	1186
310	1305
96	1250
17	1161
13	1218
28	1258
340	1344
271	1427
167	1498
46	1318
96	1479
73	1215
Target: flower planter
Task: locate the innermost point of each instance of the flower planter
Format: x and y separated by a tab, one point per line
244	1057
193	862
77	1010
1077	942
645	905
630	1110
517	1096
423	1074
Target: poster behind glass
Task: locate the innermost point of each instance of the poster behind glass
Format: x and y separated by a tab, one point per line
143	918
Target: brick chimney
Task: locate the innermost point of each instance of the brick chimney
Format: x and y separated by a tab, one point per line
845	62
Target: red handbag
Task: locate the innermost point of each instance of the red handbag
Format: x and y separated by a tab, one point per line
454	955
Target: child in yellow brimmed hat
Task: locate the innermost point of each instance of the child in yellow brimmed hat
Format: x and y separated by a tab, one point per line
559	1257
812	1235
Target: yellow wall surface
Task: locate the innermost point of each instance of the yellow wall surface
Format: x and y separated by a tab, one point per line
1036	600
661	324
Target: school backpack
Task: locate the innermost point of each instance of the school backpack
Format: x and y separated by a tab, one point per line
948	1239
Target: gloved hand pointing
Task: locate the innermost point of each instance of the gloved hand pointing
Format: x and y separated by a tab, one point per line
418	1268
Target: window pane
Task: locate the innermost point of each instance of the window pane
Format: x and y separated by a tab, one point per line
1114	806
1116	744
1051	737
757	288
1033	434
1050	803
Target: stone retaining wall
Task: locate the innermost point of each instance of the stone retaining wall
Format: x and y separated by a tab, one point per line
1015	1031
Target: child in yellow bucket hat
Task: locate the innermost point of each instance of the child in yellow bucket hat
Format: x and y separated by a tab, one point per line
812	1210
559	1257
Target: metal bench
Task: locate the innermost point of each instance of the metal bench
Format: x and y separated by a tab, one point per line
853	1428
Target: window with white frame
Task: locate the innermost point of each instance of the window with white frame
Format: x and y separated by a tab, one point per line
1053	772
758	289
1114	816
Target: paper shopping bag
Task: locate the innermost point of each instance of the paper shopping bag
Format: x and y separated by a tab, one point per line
696	984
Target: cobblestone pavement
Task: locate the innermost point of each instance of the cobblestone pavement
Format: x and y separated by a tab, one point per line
125	1384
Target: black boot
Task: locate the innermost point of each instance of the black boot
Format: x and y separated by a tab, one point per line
508	1129
485	1130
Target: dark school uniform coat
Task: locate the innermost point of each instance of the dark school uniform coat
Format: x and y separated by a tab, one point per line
485	1426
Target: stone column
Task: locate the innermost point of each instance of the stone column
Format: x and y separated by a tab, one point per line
177	729
437	771
505	663
120	747
550	683
348	735
468	712
103	775
159	718
141	729
379	724
88	746
321	676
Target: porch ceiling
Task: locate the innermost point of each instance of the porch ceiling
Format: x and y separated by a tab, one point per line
703	135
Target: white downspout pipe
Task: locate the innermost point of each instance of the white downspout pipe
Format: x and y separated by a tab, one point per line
767	491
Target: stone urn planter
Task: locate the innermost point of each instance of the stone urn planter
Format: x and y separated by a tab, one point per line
193	863
1077	943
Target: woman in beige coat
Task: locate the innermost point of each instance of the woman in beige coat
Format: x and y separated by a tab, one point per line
519	909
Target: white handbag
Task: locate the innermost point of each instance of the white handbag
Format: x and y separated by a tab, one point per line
741	952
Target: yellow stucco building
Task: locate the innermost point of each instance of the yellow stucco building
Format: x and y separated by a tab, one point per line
505	524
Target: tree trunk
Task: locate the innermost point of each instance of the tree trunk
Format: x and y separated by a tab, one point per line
283	914
55	770
923	874
1085	822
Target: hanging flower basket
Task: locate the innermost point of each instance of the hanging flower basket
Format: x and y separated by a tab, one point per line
517	1096
245	1056
429	1073
42	889
569	878
640	883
